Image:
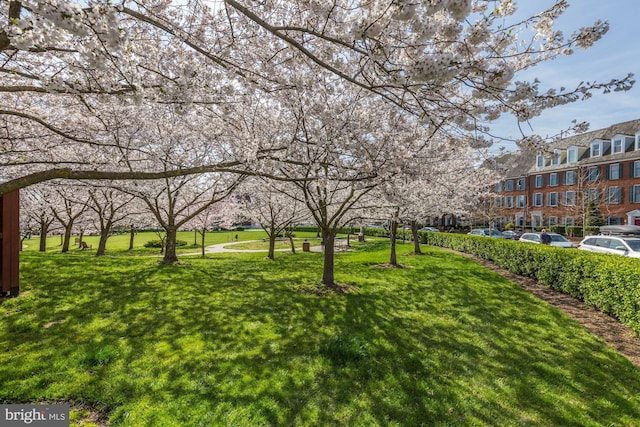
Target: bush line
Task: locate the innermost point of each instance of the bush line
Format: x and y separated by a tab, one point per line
609	283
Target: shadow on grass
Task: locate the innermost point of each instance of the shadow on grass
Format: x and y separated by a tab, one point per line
228	340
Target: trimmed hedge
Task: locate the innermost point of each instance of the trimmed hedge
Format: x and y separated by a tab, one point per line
158	243
609	283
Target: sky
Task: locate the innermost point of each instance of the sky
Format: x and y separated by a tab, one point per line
613	56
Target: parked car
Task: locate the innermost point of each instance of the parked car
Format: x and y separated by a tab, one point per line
510	234
429	229
556	239
487	232
619	245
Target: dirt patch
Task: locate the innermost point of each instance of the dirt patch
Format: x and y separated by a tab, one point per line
605	327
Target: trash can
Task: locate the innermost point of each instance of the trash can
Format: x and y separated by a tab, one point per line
306	246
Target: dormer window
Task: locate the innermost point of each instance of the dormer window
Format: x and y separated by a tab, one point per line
572	155
617	145
637	141
596	149
540	159
557	155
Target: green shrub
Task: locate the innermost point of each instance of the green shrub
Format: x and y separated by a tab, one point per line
574	231
158	243
240	228
609	283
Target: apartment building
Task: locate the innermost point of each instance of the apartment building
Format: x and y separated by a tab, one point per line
595	174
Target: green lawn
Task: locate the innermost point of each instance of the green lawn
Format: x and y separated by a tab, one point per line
119	244
234	339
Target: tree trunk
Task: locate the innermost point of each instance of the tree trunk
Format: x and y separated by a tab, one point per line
170	256
293	245
202	234
416	238
131	235
393	259
67	238
104	235
80	237
272	245
44	229
328	279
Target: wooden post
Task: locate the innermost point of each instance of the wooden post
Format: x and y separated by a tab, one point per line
10	243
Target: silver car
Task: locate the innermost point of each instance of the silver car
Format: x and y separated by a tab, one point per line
556	239
486	232
626	246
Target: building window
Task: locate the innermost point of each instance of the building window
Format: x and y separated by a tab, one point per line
521	202
613	195
498	202
614	220
637	141
521	184
539	181
615	171
572	154
508	185
568	221
592	195
593	174
636	169
540	160
553	179
617	146
519	220
569	198
553	220
498	187
537	199
570	178
596	149
635	194
508	202
557	155
552	199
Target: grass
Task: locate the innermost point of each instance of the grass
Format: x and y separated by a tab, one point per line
119	243
230	340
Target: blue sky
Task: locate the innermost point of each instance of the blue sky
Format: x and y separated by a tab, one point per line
615	55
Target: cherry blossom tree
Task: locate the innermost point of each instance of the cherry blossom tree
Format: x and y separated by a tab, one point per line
110	207
176	201
67	206
452	63
271	205
340	153
220	214
35	215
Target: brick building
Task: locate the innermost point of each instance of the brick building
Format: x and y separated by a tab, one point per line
592	175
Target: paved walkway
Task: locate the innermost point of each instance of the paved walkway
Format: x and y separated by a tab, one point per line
224	247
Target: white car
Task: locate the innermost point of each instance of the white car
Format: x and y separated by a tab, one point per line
556	239
619	245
